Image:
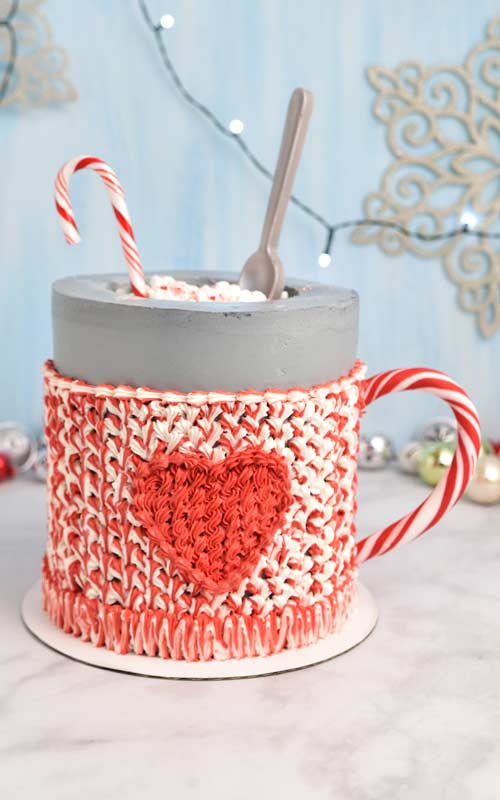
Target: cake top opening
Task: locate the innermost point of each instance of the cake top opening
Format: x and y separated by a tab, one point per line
166	287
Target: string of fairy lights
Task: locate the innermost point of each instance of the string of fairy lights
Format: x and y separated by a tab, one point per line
233	130
7	24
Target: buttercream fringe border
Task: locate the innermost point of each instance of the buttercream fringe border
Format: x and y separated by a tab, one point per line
183	637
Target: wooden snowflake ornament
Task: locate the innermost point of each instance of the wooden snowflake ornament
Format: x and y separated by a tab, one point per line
443	129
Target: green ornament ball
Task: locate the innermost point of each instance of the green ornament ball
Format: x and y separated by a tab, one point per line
434	460
436	457
486	448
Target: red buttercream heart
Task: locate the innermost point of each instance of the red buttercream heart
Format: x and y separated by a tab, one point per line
213	520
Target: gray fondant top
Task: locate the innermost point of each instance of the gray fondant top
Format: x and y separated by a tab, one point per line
103	337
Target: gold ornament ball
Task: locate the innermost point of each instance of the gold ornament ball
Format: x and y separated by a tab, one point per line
434	460
484	487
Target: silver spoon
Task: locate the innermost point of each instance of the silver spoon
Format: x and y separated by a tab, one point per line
263	271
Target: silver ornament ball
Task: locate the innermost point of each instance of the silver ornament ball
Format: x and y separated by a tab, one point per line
409	456
39	468
484	487
375	451
438	429
18	445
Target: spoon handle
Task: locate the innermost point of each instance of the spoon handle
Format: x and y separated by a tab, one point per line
297	121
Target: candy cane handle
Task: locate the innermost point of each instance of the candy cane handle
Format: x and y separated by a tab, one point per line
453	483
116	195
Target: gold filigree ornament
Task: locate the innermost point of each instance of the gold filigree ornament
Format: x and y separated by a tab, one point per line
37	74
443	128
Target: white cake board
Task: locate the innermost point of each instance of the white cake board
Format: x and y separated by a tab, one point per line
360	624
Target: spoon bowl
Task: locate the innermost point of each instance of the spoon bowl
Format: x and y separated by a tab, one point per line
263	272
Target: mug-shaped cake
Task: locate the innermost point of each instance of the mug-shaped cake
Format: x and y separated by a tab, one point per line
202	469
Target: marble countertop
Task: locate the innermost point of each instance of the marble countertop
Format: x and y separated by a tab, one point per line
411	713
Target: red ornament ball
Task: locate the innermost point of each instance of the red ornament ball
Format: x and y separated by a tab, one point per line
6	468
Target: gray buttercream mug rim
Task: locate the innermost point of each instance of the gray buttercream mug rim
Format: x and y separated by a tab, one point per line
101	337
101	288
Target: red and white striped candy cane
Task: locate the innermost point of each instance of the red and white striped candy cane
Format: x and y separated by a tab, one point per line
115	192
453	484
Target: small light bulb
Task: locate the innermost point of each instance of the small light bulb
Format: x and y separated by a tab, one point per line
468	219
324	260
167	21
236	126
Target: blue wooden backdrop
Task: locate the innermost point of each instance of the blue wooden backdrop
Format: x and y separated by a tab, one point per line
196	202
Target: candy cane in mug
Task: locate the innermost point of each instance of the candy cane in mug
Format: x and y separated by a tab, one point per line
116	195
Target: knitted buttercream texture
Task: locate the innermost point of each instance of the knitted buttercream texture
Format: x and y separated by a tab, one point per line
202	525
